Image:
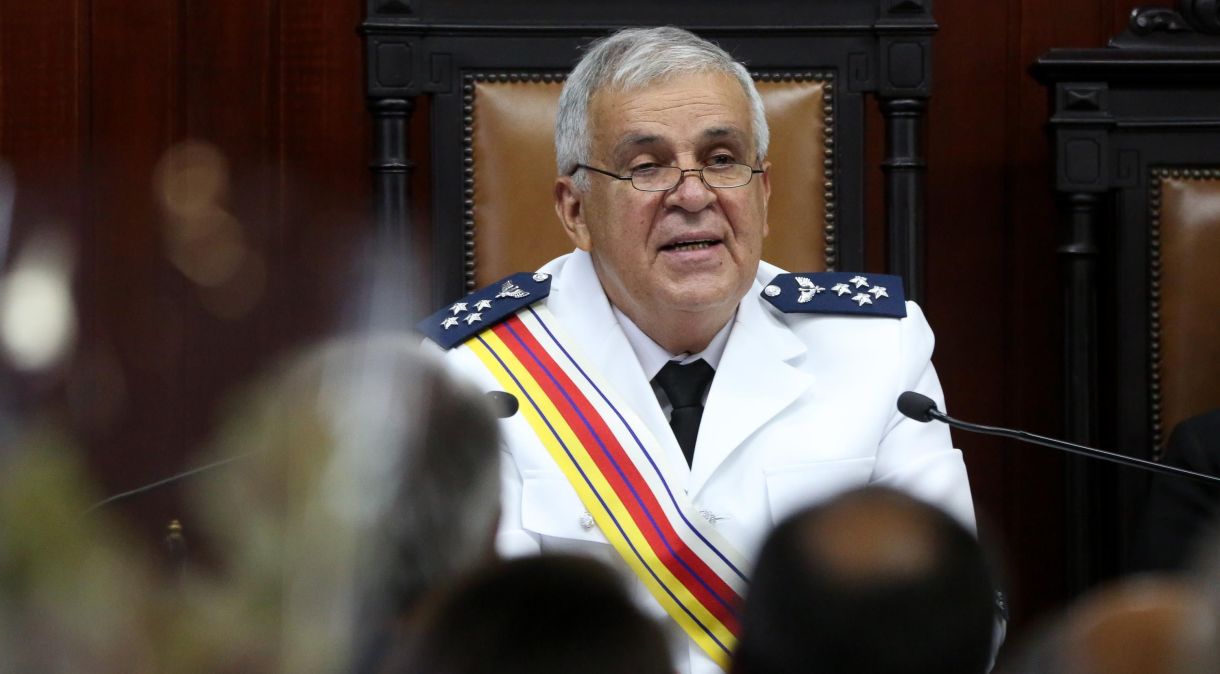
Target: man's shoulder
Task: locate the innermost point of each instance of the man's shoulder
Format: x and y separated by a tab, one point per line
484	308
832	292
867	318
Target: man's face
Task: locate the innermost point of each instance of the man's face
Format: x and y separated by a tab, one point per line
691	249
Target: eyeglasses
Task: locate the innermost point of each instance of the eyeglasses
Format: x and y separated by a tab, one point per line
665	178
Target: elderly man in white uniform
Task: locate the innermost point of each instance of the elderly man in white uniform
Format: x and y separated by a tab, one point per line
663	189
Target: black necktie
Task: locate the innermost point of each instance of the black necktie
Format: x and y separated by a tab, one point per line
685	385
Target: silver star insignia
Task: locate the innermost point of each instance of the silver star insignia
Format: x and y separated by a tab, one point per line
859	281
449	322
471	318
841	289
482	305
807	289
510	289
458	308
862	299
878	292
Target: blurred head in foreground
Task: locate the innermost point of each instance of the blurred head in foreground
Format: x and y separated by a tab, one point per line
1142	625
374	478
370	478
870	582
548	614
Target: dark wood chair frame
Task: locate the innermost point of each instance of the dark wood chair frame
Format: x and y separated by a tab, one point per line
438	48
1123	117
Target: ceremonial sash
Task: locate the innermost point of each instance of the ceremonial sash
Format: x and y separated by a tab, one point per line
609	457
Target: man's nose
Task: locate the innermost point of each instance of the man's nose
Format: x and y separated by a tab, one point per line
691	195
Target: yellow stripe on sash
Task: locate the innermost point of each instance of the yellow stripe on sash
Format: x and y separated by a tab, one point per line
607	511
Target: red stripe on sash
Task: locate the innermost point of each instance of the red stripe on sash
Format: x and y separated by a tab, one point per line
646	499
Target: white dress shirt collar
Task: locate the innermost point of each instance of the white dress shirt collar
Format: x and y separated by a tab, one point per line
653	356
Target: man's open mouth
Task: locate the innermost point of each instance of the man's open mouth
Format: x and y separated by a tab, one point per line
691	245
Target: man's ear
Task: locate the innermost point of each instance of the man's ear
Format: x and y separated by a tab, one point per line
766	185
570	208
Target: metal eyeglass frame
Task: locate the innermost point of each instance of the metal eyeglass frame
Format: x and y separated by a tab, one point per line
681	176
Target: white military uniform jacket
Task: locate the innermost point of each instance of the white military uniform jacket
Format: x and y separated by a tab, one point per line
802	407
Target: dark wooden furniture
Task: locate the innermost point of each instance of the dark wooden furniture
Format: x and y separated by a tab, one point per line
466	57
1136	129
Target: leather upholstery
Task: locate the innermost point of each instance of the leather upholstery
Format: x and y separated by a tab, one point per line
515	225
1189	298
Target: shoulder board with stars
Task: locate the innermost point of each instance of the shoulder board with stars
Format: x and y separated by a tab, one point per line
836	292
484	308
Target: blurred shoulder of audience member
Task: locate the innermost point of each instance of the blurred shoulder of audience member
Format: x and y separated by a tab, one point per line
870	582
551	614
77	593
1182	512
1140	625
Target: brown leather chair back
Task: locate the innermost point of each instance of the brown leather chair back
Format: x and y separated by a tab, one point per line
1186	299
513	155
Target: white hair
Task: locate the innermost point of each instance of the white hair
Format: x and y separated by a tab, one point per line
631	59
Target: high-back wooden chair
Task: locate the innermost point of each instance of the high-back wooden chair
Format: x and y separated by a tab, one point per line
492	72
1136	131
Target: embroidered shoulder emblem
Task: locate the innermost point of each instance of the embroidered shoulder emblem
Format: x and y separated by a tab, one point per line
484	308
849	294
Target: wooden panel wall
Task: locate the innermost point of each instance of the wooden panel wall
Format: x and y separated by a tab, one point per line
94	92
93	95
993	294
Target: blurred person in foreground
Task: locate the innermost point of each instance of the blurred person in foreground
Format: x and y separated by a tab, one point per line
372	479
369	478
664	310
556	614
1139	625
1182	513
871	582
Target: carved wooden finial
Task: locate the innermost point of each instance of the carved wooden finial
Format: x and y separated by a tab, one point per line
1192	25
1202	15
1145	20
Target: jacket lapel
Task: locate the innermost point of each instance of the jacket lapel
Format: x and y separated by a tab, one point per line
754	382
577	299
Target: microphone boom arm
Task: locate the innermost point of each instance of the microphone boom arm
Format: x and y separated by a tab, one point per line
1072	447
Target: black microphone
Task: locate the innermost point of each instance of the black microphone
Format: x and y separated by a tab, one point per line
503	403
923	409
917	406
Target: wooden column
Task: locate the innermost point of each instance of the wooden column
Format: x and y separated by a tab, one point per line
905	171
